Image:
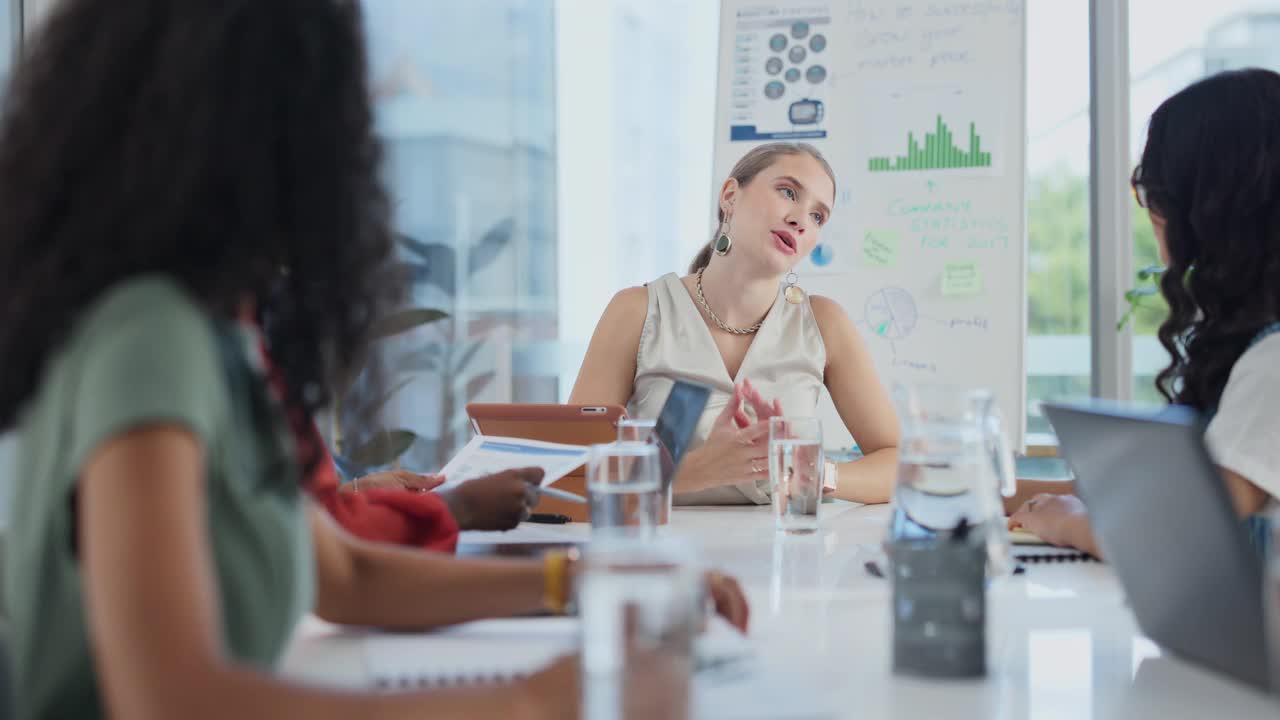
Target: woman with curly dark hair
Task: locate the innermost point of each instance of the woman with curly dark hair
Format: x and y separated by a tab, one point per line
1209	179
170	171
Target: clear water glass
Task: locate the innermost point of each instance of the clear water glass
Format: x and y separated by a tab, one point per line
637	430
796	464
954	463
641	604
622	478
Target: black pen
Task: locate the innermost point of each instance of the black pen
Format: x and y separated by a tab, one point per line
549	518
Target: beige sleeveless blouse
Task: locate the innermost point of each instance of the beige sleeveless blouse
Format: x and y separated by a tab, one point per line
785	361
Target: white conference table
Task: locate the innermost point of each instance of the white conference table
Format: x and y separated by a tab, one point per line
1061	642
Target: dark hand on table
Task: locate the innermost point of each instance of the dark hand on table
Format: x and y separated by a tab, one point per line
494	502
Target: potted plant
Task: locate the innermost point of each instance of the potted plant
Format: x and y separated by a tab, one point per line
385	446
1148	287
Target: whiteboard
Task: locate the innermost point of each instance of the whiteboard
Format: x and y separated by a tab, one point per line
919	107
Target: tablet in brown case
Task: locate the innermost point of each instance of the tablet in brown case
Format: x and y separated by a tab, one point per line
567	424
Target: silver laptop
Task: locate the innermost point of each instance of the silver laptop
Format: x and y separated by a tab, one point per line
1163	519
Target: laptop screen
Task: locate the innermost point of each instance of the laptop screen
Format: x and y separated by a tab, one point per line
1164	520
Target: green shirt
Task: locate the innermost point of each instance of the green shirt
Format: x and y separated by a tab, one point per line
145	352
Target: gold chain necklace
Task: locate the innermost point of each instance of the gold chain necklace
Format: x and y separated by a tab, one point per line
702	300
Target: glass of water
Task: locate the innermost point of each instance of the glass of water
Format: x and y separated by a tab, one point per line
645	431
796	464
622	479
641	604
954	464
636	430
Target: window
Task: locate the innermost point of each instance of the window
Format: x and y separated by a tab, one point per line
538	167
1167	52
1058	319
465	104
636	90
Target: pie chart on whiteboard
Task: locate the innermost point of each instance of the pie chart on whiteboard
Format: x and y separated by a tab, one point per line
822	255
891	313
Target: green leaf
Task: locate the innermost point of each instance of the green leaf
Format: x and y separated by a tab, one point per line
388	395
403	321
461	362
1136	294
477	384
1150	271
345	382
415	361
383	448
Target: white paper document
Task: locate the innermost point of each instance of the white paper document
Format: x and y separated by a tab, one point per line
486	455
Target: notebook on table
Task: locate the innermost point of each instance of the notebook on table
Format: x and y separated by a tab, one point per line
1051	554
489	651
1030	547
730	680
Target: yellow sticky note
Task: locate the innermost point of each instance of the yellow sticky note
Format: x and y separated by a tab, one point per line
880	247
961	278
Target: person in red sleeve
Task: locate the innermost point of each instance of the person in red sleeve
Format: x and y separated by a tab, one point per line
398	506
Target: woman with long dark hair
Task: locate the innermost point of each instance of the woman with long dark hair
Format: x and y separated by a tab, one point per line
169	173
1209	179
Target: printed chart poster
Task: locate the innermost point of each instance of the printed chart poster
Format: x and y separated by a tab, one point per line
935	131
780	72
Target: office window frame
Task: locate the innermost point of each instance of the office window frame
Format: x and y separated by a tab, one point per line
1110	231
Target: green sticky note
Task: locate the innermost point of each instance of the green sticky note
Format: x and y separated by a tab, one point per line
880	247
961	279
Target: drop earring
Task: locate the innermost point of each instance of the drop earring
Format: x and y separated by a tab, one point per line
793	293
723	243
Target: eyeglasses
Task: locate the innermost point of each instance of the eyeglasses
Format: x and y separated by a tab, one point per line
1139	187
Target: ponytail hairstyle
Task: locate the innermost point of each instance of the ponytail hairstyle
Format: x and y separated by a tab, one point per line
746	170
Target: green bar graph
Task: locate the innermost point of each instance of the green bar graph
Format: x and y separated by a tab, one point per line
938	152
